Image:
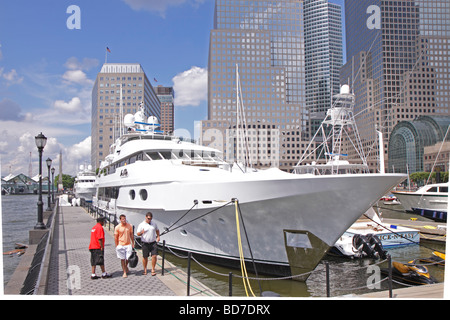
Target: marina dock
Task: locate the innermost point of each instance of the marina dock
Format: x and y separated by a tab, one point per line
67	267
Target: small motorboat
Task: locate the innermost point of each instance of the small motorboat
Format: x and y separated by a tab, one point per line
390	200
410	273
437	258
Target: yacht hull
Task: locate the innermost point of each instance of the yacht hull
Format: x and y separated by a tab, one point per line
411	200
86	193
289	222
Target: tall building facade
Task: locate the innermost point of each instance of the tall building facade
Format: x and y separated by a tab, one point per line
324	56
397	65
265	41
107	109
166	96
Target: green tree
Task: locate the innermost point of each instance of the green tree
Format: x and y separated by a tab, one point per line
67	180
421	178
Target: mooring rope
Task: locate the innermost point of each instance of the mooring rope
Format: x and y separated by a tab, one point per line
245	279
190	221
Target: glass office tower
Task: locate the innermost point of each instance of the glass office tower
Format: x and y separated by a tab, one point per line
266	40
323	52
397	64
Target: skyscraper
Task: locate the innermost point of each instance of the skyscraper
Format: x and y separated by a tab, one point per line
107	111
265	40
397	64
323	52
166	96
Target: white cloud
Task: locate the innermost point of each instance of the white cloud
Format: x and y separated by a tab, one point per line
11	77
159	6
16	145
77	76
86	64
80	151
190	87
72	106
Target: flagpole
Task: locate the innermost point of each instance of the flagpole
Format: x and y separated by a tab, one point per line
106	56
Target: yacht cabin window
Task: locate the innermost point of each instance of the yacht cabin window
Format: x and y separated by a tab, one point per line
165	155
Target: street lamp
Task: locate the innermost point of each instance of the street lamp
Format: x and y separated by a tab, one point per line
53	185
49	164
40	141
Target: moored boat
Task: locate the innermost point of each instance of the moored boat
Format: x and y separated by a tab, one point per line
197	200
85	183
431	196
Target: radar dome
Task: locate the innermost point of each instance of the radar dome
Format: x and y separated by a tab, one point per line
128	120
152	120
345	89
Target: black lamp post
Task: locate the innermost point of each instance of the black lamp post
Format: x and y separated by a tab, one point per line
49	164
40	140
53	185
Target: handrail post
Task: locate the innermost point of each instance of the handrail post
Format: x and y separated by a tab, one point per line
390	275
230	284
163	257
327	276
189	274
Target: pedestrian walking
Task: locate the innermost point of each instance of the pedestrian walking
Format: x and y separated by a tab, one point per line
124	240
149	233
97	249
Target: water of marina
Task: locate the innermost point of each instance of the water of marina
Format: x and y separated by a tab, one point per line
347	277
19	216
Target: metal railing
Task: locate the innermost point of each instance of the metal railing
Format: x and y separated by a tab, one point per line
35	272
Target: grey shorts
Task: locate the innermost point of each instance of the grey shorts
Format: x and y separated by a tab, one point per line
149	248
97	257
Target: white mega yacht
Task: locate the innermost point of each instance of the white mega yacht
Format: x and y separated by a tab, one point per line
197	199
84	186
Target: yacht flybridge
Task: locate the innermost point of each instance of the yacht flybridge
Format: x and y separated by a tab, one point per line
197	199
337	132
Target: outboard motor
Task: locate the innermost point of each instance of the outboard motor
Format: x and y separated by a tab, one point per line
377	247
369	245
361	244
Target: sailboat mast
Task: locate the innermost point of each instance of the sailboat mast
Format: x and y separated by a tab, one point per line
238	140
121	113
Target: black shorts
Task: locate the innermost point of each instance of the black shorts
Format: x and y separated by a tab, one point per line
149	248
97	257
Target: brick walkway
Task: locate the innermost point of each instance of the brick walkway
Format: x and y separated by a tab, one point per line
70	269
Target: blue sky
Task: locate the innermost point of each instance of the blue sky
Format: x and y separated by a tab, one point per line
47	70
